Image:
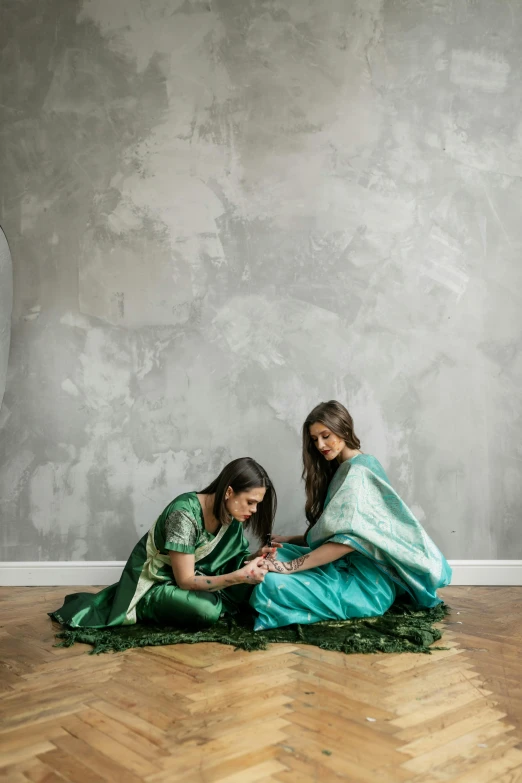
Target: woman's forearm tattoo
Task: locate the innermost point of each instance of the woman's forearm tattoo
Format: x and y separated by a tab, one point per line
200	582
288	567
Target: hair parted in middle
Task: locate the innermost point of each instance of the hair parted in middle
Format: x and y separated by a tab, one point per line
318	472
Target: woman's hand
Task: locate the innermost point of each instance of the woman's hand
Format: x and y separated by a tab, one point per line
327	553
267	550
288	567
254	571
274	565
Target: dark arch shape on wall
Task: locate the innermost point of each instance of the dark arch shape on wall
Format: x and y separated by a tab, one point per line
6	308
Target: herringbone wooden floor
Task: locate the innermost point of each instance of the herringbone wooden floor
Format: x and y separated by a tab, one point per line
207	714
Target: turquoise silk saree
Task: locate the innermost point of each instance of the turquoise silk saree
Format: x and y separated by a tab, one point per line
147	591
393	555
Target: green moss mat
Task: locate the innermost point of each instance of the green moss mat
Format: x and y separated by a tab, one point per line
402	629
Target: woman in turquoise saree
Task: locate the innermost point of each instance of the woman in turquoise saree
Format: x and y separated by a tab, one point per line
363	547
193	565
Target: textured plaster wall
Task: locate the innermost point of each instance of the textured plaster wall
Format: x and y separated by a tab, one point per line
221	213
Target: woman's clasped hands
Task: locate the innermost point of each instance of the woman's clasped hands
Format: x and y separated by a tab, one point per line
255	570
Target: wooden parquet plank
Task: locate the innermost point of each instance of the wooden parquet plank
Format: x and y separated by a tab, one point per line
512	776
336	728
255	668
225	701
109	746
18	709
365	668
339	756
21	737
209	714
476	756
255	774
15	776
224	750
156	660
288	776
122	734
152	694
481	610
105	766
205	727
136	703
420	674
304	770
433	740
69	768
238	687
195	656
37	772
437	704
454	714
140	726
311	682
18	657
213	771
465	742
329	676
233	659
486	772
429	681
411	662
357	712
12	757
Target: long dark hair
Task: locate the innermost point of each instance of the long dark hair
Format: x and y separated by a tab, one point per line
243	474
318	472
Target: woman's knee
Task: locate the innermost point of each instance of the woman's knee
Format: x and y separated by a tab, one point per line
170	605
204	608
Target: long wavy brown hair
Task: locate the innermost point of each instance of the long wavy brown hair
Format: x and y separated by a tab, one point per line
318	472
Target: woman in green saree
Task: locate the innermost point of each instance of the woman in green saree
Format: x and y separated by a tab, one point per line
193	564
363	546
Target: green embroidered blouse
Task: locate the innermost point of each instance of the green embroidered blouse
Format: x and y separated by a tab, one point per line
182	525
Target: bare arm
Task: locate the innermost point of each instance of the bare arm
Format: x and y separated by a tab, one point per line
299	540
327	553
183	568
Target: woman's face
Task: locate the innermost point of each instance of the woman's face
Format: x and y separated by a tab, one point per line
327	442
241	505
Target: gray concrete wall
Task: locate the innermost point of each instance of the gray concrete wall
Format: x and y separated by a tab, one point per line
224	212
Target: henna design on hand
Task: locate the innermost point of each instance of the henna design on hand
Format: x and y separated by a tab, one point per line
278	566
288	567
295	565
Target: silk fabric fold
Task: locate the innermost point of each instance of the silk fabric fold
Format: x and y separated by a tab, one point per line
393	555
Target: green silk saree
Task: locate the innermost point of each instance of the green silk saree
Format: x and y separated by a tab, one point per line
147	591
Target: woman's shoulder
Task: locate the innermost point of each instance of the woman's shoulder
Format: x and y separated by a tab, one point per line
364	459
187	502
369	462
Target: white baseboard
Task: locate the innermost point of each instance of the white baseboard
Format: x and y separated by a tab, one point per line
54	573
106	572
486	572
